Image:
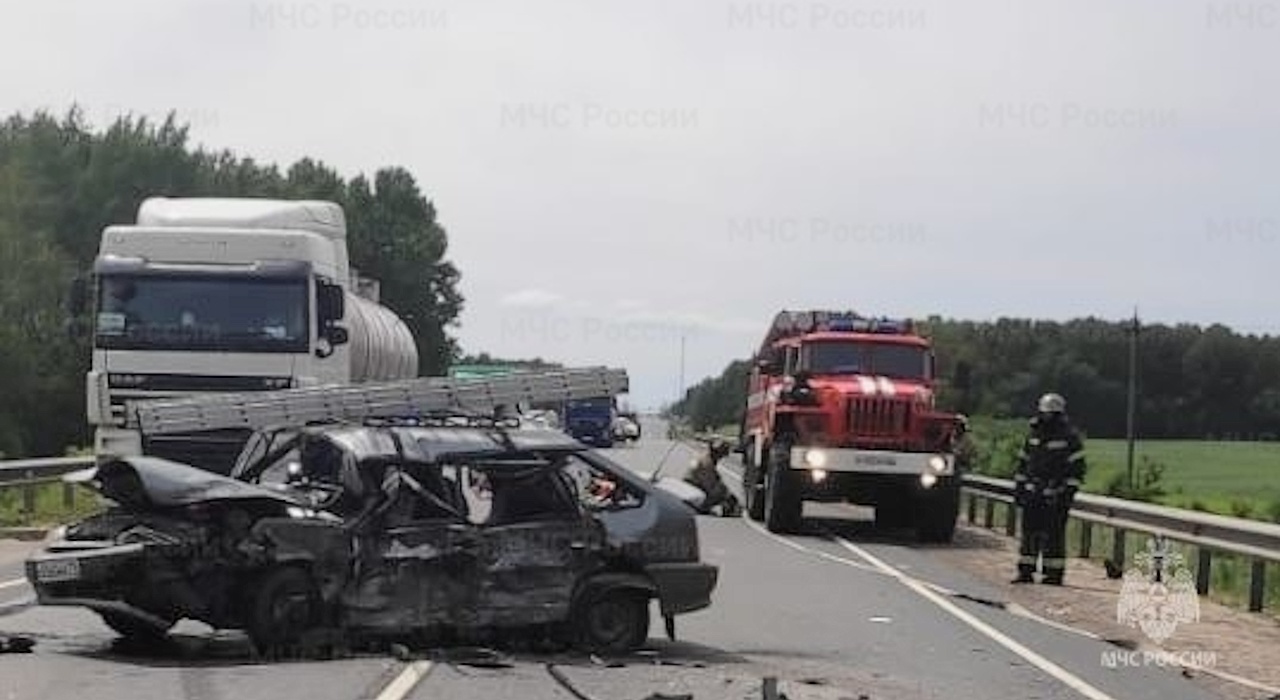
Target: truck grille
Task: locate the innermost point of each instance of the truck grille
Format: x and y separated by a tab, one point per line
881	418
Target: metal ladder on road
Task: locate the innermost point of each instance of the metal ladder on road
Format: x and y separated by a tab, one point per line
406	398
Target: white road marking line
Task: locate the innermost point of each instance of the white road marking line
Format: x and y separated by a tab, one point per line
808	550
1057	672
13	584
403	684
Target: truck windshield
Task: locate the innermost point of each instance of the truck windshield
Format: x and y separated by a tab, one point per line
884	359
202	313
589	407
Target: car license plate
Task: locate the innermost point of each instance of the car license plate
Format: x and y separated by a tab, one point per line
58	570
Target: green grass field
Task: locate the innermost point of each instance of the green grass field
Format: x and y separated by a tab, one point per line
1232	478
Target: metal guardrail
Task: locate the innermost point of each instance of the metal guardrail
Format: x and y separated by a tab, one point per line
28	475
1259	542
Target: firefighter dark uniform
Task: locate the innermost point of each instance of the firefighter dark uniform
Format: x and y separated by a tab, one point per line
1050	468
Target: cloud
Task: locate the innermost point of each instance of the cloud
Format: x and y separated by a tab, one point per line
532	298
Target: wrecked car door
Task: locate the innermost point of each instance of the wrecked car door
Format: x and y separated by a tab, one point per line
535	543
417	560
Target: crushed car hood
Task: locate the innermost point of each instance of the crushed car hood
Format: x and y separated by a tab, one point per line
155	482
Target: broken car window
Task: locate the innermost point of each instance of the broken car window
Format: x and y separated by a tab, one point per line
596	488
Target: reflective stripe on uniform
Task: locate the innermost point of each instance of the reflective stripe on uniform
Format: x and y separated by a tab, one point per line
1076	456
1056	445
1027	560
1055	563
1073	483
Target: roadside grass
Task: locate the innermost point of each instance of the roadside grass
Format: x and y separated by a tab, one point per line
51	507
1240	479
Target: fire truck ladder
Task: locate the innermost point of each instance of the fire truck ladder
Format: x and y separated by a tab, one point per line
406	398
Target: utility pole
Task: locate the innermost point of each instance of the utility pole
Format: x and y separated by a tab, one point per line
1131	419
680	389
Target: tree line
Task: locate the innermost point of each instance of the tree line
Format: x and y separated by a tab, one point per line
62	182
1193	382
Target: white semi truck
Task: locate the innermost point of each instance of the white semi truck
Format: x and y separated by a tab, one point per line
229	295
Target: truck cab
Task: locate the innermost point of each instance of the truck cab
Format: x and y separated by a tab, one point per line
591	420
228	295
841	407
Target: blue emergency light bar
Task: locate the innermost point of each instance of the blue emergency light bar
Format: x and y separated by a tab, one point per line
855	323
789	323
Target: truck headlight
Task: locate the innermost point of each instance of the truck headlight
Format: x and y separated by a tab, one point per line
938	463
818	475
928	479
815	459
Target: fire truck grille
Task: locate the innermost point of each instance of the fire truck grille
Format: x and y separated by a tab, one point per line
879	418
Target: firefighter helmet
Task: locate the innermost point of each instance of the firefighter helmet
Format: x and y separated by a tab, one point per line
1051	403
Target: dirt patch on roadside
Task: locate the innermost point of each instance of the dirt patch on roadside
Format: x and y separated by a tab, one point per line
1240	643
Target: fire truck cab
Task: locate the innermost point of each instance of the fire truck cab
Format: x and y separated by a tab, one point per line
840	407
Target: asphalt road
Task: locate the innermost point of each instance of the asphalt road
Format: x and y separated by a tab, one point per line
841	612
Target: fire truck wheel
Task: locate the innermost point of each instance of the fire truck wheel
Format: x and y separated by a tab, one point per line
782	503
894	510
752	495
936	521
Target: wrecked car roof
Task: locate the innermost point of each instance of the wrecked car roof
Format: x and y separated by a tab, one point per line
168	484
429	444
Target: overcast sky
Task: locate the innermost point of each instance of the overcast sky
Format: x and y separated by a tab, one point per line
618	174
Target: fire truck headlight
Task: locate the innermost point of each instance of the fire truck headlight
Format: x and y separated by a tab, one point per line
816	459
938	463
818	475
928	479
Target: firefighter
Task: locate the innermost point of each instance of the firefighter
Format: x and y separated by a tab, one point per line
1050	468
705	476
965	450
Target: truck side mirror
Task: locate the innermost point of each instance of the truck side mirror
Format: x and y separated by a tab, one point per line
337	335
331	303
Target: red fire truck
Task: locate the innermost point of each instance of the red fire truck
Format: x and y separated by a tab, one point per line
840	407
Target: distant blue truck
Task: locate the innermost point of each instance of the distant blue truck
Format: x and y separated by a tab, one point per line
591	420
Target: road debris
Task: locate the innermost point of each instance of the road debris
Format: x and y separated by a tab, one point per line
606	663
769	689
565	683
16	645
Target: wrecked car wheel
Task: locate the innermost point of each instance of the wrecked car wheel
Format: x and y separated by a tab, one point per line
134	631
284	606
612	622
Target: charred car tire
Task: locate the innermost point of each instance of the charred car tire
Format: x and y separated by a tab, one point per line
284	605
782	502
938	513
612	621
134	631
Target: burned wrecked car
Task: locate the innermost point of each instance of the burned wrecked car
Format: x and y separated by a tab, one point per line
396	529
